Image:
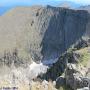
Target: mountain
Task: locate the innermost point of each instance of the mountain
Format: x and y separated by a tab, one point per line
69	4
42	32
42	43
85	8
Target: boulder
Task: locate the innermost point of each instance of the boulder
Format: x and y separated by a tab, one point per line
60	81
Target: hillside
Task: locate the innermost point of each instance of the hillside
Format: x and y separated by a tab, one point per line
42	32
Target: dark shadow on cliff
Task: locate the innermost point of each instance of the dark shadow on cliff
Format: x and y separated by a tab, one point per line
65	29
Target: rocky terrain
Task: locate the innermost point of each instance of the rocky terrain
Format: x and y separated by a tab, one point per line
35	43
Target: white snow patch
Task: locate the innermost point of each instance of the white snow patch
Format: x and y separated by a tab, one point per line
37	69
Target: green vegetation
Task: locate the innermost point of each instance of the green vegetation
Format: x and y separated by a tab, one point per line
85	56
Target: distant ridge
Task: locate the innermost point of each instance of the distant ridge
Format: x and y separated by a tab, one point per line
85	8
68	4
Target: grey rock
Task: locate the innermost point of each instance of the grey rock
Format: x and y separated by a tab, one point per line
76	57
75	77
60	81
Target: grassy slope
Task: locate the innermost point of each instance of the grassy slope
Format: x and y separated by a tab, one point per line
84	60
85	56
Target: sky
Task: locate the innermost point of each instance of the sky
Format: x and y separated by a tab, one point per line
32	2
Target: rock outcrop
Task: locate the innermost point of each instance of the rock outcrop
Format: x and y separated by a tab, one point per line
76	77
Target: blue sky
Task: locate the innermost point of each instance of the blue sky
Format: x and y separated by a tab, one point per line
31	2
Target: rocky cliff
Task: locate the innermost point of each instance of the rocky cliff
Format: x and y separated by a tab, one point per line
42	32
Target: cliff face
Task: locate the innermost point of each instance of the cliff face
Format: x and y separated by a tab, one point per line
42	32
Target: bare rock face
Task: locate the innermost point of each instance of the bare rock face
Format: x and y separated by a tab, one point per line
42	32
